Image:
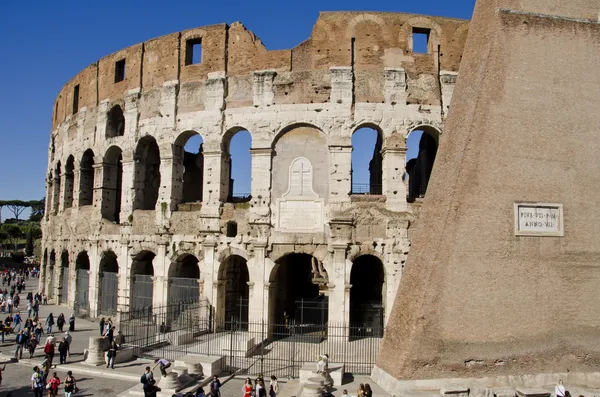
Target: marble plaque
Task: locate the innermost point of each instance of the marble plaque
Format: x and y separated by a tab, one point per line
539	219
300	215
300	209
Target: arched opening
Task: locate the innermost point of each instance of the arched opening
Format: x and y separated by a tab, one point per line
294	293
147	174
367	161
188	160
422	144
366	297
142	284
82	267
234	292
56	187
112	184
231	229
86	178
115	122
64	263
184	274
69	182
237	165
50	276
109	283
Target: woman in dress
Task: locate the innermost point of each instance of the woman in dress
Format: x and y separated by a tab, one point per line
60	322
72	322
247	389
53	385
273	387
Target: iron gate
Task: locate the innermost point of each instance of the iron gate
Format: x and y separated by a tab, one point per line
142	291
183	289
65	285
108	293
83	290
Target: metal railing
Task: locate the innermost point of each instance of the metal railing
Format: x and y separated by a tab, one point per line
366	188
249	347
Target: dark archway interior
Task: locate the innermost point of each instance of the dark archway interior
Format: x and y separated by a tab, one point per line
366	294
109	263
147	174
142	263
112	184
83	261
235	273
193	169
419	168
296	297
115	123
185	267
86	179
64	259
69	181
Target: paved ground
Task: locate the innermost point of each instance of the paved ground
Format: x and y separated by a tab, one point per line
100	381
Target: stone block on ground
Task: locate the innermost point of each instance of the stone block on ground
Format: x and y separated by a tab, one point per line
210	365
532	392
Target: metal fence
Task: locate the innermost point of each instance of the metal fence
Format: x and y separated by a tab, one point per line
108	293
248	347
65	285
366	188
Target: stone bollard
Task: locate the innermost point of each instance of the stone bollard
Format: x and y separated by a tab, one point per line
169	383
96	351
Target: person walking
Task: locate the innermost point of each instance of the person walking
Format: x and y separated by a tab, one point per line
112	354
39	330
68	339
215	387
101	324
72	322
53	385
148	383
273	387
361	391
49	351
70	384
60	322
20	343
49	323
17	322
247	388
63	348
37	382
31	345
368	391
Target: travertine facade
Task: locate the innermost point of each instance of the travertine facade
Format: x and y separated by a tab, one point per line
124	197
488	296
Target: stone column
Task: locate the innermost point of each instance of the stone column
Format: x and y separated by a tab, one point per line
394	163
127	188
125	260
161	278
261	179
94	280
130	113
258	299
447	82
340	181
342	86
101	119
56	189
166	203
208	272
336	271
42	279
59	278
97	195
63	189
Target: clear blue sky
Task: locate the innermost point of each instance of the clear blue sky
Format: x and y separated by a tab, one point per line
45	43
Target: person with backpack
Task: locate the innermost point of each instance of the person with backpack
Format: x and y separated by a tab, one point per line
215	387
37	382
17	321
149	384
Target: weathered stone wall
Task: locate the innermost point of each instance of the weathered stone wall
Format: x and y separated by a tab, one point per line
356	70
476	299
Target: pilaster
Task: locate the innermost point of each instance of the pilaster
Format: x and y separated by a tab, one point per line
395	86
342	86
127	187
340	182
261	180
168	105
130	112
262	89
394	163
215	89
447	83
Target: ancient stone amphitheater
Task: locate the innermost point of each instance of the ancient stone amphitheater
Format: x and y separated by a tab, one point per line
133	220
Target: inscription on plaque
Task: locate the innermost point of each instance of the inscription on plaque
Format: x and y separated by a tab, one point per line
300	209
539	219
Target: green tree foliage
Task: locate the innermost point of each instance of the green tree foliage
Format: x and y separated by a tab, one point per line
13	232
37	209
29	243
17	207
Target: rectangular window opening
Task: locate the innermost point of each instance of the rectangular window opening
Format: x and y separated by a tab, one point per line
76	99
420	37
193	51
119	70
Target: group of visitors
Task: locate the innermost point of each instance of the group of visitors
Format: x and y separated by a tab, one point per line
259	389
40	382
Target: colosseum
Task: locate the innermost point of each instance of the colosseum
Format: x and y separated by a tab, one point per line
137	219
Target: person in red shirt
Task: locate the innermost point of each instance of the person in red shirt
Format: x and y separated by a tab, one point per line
53	383
49	351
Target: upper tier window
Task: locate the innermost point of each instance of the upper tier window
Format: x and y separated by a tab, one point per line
119	70
193	51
